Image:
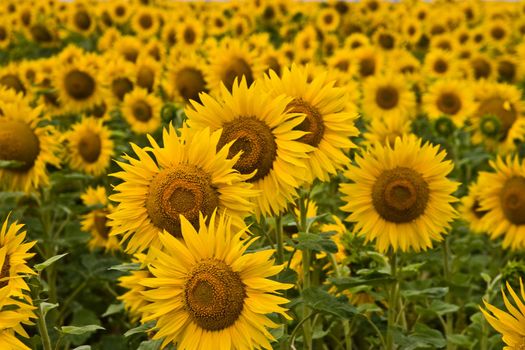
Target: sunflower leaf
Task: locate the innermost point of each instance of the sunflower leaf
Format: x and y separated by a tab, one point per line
321	301
316	242
48	262
140	329
80	330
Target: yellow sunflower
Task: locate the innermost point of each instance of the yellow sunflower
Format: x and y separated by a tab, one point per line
81	19
481	67
11	78
145	21
502	195
89	146
6	34
386	131
142	111
369	61
259	125
79	84
400	196
190	175
342	60
327	125
470	209
509	69
452	98
207	292
232	60
439	64
388	97
356	40
498	121
96	220
121	78
14	313
120	10
510	324
189	34
185	78
147	71
133	299
328	19
25	141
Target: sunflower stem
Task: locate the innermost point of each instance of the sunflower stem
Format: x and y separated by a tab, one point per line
393	302
449	329
307	325
42	329
347	327
279	239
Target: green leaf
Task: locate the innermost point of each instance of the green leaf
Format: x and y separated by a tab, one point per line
434	293
320	300
442	308
140	329
126	267
45	307
429	336
316	242
48	262
459	339
83	347
372	279
80	330
150	345
113	309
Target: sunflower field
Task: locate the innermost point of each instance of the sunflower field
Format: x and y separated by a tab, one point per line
262	174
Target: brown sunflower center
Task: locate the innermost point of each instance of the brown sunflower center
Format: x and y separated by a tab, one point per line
3	34
90	146
273	64
4	271
181	190
449	103
82	20
328	19
343	65
387	97
99	110
503	110
40	33
214	295
79	85
386	41
507	71
18	142
12	81
512	199
120	87
497	33
131	54
189	36
146	78
190	82
142	111
440	66
101	223
476	209
120	11
255	139
367	67
312	123
145	21
237	68
481	68
400	195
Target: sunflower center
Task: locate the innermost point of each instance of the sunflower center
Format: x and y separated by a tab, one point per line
476	209
3	34
82	20
312	123
512	199
449	103
387	97
142	111
255	139
79	85
40	33
503	110
481	68
273	64
440	66
190	82
146	78
189	36
386	41
146	21
4	271
237	68
497	33
120	11
99	110
214	295
120	87
367	67
90	146
400	195
507	70
100	223
18	142
13	81
181	190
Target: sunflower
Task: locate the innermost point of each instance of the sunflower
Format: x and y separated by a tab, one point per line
356	40
470	209
510	324
439	64
142	111
189	34
388	97
11	78
273	60
231	60
330	44
147	73
133	299
208	292
79	85
145	21
216	23
108	39
481	67
189	176
185	78
385	39
411	30
498	121
498	33
342	60
452	98
6	34
89	146
14	313
240	26
306	42
121	77
13	259
386	131
129	47
32	146
96	221
81	19
328	19
502	196
400	196
119	10
259	125
328	126
169	35
369	61
509	69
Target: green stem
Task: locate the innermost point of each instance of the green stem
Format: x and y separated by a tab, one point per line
279	239
392	303
307	324
449	329
44	335
346	324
